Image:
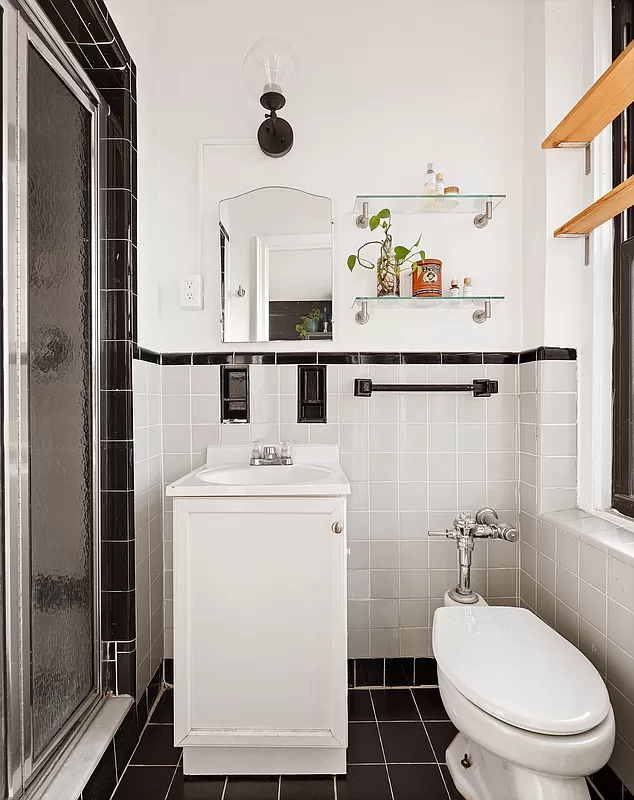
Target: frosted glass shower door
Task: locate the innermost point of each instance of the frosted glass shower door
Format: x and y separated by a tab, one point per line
60	399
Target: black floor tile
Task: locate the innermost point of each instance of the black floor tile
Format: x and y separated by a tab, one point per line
360	706
164	710
406	743
207	788
442	735
430	705
454	794
607	784
157	747
417	781
394	705
593	793
302	788
364	783
364	745
369	671
144	782
399	671
251	789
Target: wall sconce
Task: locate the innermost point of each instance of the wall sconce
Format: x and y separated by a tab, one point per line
265	69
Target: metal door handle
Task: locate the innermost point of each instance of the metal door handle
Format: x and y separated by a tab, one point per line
337	527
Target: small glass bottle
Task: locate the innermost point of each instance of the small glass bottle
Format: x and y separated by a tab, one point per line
467	288
439	186
454	291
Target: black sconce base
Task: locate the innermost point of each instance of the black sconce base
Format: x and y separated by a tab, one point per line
275	137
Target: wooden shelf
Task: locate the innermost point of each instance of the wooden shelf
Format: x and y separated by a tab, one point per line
602	210
600	105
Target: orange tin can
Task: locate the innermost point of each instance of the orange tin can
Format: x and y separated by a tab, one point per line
427	278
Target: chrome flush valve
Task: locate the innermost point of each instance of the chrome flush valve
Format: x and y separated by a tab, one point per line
465	531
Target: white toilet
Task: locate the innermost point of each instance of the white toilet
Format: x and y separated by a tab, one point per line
533	714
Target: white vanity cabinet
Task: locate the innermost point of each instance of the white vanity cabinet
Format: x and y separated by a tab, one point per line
260	677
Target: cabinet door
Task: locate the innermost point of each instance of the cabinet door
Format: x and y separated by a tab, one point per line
260	622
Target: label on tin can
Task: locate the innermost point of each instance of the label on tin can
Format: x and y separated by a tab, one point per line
429	282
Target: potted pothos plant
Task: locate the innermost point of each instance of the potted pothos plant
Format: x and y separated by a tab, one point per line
309	323
391	261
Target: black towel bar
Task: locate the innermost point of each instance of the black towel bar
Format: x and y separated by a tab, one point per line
481	387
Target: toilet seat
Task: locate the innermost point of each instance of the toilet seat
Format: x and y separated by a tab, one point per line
517	669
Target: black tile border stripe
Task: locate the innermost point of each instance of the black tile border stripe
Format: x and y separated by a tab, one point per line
284	358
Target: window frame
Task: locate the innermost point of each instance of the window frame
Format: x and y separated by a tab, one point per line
623	286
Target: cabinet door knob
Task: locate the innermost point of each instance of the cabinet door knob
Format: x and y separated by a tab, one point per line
337	527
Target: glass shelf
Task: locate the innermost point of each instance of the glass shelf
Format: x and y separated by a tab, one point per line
482	304
428	204
428	302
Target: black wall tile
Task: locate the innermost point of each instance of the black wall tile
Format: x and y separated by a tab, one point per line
421	358
149	356
208	359
116	465
117	515
501	358
103	781
176	359
338	358
234	394
126	739
296	358
118	264
462	358
379	358
116	365
116	415
254	358
117	616
126	672
117	566
119	212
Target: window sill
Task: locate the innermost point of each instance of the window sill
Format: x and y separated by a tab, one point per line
604	530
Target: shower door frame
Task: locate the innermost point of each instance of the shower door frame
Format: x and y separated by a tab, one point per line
25	25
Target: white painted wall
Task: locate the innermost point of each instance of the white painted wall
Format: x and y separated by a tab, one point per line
379	92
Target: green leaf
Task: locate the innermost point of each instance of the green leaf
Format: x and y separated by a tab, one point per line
384	213
422	255
374	223
352	260
415	245
401	253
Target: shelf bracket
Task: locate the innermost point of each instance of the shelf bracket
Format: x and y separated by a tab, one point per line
482	220
587	243
363	220
362	317
483	314
587	146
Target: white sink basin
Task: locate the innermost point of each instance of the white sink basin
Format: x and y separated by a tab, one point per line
278	475
227	473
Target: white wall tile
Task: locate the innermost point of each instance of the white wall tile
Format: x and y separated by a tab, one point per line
621	582
592	566
621	626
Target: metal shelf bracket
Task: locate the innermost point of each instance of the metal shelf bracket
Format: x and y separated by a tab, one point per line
482	220
362	317
587	247
587	146
482	314
363	220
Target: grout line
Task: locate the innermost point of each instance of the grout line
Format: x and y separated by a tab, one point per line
169	788
378	729
442	777
224	788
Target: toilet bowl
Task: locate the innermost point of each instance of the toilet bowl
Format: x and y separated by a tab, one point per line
533	714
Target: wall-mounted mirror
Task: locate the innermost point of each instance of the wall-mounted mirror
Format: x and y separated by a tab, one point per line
276	266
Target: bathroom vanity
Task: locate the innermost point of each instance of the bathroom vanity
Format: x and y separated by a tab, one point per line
260	678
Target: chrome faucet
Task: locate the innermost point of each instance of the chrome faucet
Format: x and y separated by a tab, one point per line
465	531
269	455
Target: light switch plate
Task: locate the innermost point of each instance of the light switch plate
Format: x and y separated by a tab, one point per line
192	292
